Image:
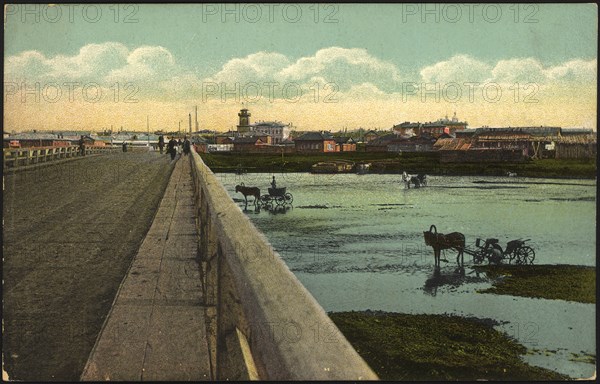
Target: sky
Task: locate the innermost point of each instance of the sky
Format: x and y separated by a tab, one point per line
318	66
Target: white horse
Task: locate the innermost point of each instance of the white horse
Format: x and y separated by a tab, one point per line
417	180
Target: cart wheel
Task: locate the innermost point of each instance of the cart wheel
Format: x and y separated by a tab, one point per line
478	258
525	256
280	200
511	257
289	198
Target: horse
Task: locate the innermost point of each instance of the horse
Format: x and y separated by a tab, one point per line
418	180
439	241
248	191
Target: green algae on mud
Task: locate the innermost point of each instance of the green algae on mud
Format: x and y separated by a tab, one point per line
436	347
562	282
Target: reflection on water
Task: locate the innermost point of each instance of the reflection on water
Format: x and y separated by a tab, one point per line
452	280
356	243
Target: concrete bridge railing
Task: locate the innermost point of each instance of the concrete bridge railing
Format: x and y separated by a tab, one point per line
263	323
14	157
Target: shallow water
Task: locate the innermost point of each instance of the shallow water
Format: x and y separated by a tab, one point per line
356	243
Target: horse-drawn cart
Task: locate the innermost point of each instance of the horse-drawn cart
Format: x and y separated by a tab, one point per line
516	252
277	196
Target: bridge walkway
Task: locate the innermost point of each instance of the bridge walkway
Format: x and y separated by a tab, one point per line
156	328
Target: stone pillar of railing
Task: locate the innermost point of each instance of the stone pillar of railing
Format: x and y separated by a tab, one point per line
263	322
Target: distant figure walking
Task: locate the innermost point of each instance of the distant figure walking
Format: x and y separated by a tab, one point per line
124	146
161	143
81	146
171	148
186	146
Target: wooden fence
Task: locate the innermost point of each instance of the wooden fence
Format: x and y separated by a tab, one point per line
14	157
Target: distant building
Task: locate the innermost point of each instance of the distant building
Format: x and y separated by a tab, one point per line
219	147
264	137
381	143
36	139
314	142
517	144
200	145
422	143
435	128
345	144
223	139
247	144
370	136
278	131
244	124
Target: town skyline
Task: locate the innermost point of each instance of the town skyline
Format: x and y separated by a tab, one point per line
533	66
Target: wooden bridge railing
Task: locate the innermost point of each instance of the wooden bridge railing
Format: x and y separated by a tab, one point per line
263	323
14	157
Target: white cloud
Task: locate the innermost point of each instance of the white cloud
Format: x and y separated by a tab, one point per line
459	69
27	64
346	67
364	91
92	62
574	70
257	67
103	63
343	66
463	68
527	70
146	64
354	72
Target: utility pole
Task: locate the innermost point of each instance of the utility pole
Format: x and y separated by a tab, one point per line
196	121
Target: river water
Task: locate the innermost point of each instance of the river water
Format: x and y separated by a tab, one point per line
356	243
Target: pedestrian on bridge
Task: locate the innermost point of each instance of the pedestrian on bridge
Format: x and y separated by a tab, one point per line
171	148
81	146
161	143
186	146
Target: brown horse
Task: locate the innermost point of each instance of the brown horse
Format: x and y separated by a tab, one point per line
248	191
439	241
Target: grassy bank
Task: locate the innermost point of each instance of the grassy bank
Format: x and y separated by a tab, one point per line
436	347
387	162
562	282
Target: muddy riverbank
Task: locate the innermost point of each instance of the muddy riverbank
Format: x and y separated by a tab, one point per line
436	347
561	282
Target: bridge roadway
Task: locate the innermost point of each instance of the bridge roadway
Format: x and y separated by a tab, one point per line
202	294
70	232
